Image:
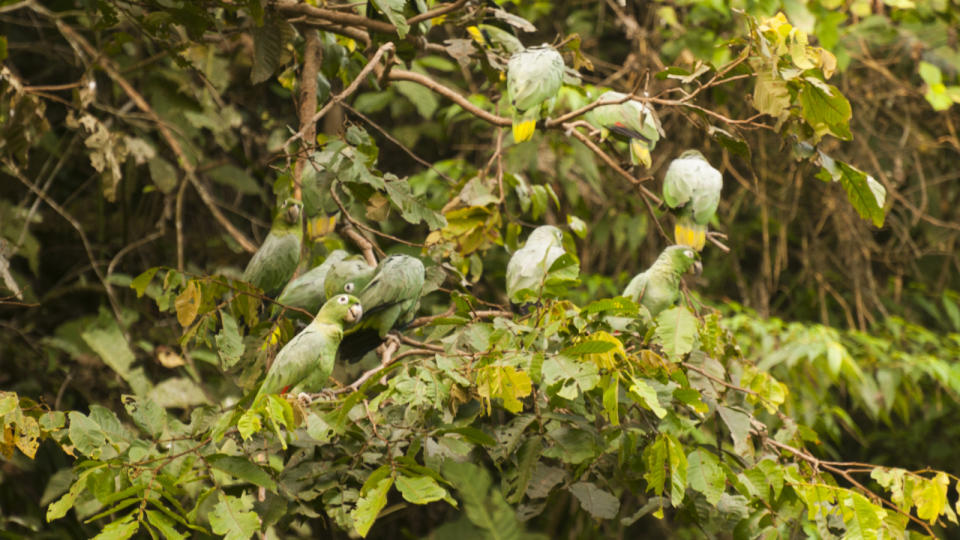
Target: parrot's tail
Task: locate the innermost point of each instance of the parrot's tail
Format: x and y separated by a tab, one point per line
640	153
690	234
523	129
478	35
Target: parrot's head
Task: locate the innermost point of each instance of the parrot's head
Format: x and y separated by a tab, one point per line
290	211
692	154
547	235
683	258
343	307
348	276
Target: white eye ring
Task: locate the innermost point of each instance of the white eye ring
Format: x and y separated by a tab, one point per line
348	287
688	253
342	299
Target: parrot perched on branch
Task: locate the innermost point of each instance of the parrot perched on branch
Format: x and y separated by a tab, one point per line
693	187
307	291
658	287
534	75
389	300
630	119
529	265
349	276
491	36
305	363
272	266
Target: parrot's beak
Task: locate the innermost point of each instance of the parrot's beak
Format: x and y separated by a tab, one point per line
354	313
697	268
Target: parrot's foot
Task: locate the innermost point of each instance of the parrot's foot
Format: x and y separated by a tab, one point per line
304	399
327	394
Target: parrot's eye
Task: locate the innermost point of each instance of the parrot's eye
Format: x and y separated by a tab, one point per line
348	287
342	299
688	253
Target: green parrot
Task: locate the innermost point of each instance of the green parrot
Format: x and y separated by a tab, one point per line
534	75
529	265
658	287
692	186
349	275
305	363
630	119
389	302
307	291
272	266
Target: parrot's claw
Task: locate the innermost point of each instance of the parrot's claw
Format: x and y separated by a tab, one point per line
304	399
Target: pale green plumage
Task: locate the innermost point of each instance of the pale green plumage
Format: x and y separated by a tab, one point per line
390	297
534	75
692	186
307	291
272	266
349	275
630	119
658	287
529	265
304	364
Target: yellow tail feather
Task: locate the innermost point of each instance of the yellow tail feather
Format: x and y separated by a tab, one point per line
639	153
523	130
692	235
477	35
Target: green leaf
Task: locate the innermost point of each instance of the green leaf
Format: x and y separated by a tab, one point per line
865	194
705	474
825	108
86	435
422	98
676	330
678	470
141	282
164	174
738	422
930	73
394	9
229	342
411	208
107	340
589	347
59	508
770	94
647	396
599	503
148	416
235	177
420	489
577	225
248	424
655	462
119	530
232	517
575	377
165	525
269	41
372	499
243	469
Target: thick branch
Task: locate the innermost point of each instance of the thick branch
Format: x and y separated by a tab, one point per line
345	18
449	93
308	102
436	12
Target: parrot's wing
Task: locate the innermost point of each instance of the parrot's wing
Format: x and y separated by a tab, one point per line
706	190
637	287
307	292
313	349
272	266
399	279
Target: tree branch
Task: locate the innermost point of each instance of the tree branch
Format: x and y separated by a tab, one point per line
449	93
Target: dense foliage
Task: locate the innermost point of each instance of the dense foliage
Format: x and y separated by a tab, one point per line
806	386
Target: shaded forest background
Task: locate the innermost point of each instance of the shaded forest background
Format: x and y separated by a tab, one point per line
144	134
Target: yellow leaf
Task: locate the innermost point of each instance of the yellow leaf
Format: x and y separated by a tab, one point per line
27	436
188	304
931	497
168	358
506	383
